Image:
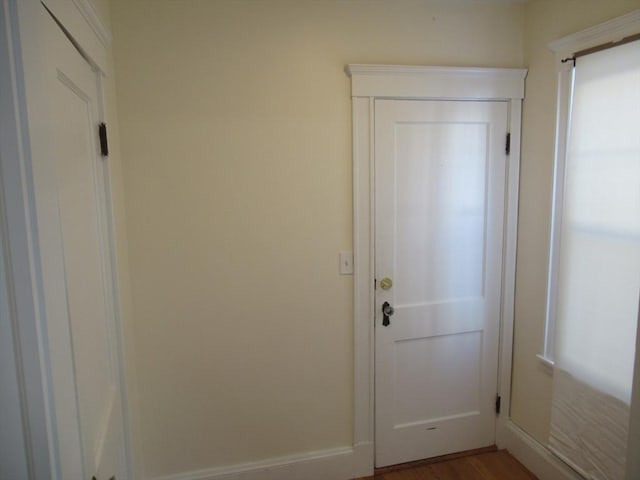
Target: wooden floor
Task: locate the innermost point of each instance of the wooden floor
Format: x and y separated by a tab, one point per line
499	465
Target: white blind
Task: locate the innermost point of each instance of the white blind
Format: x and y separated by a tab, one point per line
599	276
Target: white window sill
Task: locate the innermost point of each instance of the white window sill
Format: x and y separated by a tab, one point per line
546	362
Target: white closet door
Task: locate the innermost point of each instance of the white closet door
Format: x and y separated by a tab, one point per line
439	214
82	339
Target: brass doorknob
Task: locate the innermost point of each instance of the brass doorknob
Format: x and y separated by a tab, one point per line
386	283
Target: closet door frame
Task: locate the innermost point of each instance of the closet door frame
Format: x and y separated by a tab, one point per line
371	82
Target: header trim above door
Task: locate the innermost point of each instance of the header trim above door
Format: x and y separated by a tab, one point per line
449	83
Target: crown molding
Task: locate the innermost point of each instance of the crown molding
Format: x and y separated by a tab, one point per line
361	69
463	83
610	31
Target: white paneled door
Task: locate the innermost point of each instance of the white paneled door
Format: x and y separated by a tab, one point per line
440	173
84	362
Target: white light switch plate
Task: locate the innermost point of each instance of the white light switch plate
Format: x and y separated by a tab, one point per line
346	263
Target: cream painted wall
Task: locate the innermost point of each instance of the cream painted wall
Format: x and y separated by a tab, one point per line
545	20
236	132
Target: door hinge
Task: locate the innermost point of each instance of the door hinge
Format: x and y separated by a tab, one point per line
497	404
102	133
507	145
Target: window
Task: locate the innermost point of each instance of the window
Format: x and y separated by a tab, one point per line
564	49
598	276
594	280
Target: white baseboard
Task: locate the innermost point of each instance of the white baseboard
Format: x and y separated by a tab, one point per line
363	460
352	462
335	464
531	453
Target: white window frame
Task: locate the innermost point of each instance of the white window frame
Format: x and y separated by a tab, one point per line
565	48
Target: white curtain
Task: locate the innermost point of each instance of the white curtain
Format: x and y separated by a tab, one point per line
599	276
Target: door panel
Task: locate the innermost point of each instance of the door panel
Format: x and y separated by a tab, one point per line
439	206
421	358
73	91
440	196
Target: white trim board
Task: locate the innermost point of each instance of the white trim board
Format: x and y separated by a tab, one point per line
333	464
532	454
347	463
22	247
90	14
369	82
611	31
398	81
82	23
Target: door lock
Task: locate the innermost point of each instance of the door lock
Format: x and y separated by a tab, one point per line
387	311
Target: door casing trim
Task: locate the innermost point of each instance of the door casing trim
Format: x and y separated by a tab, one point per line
368	83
